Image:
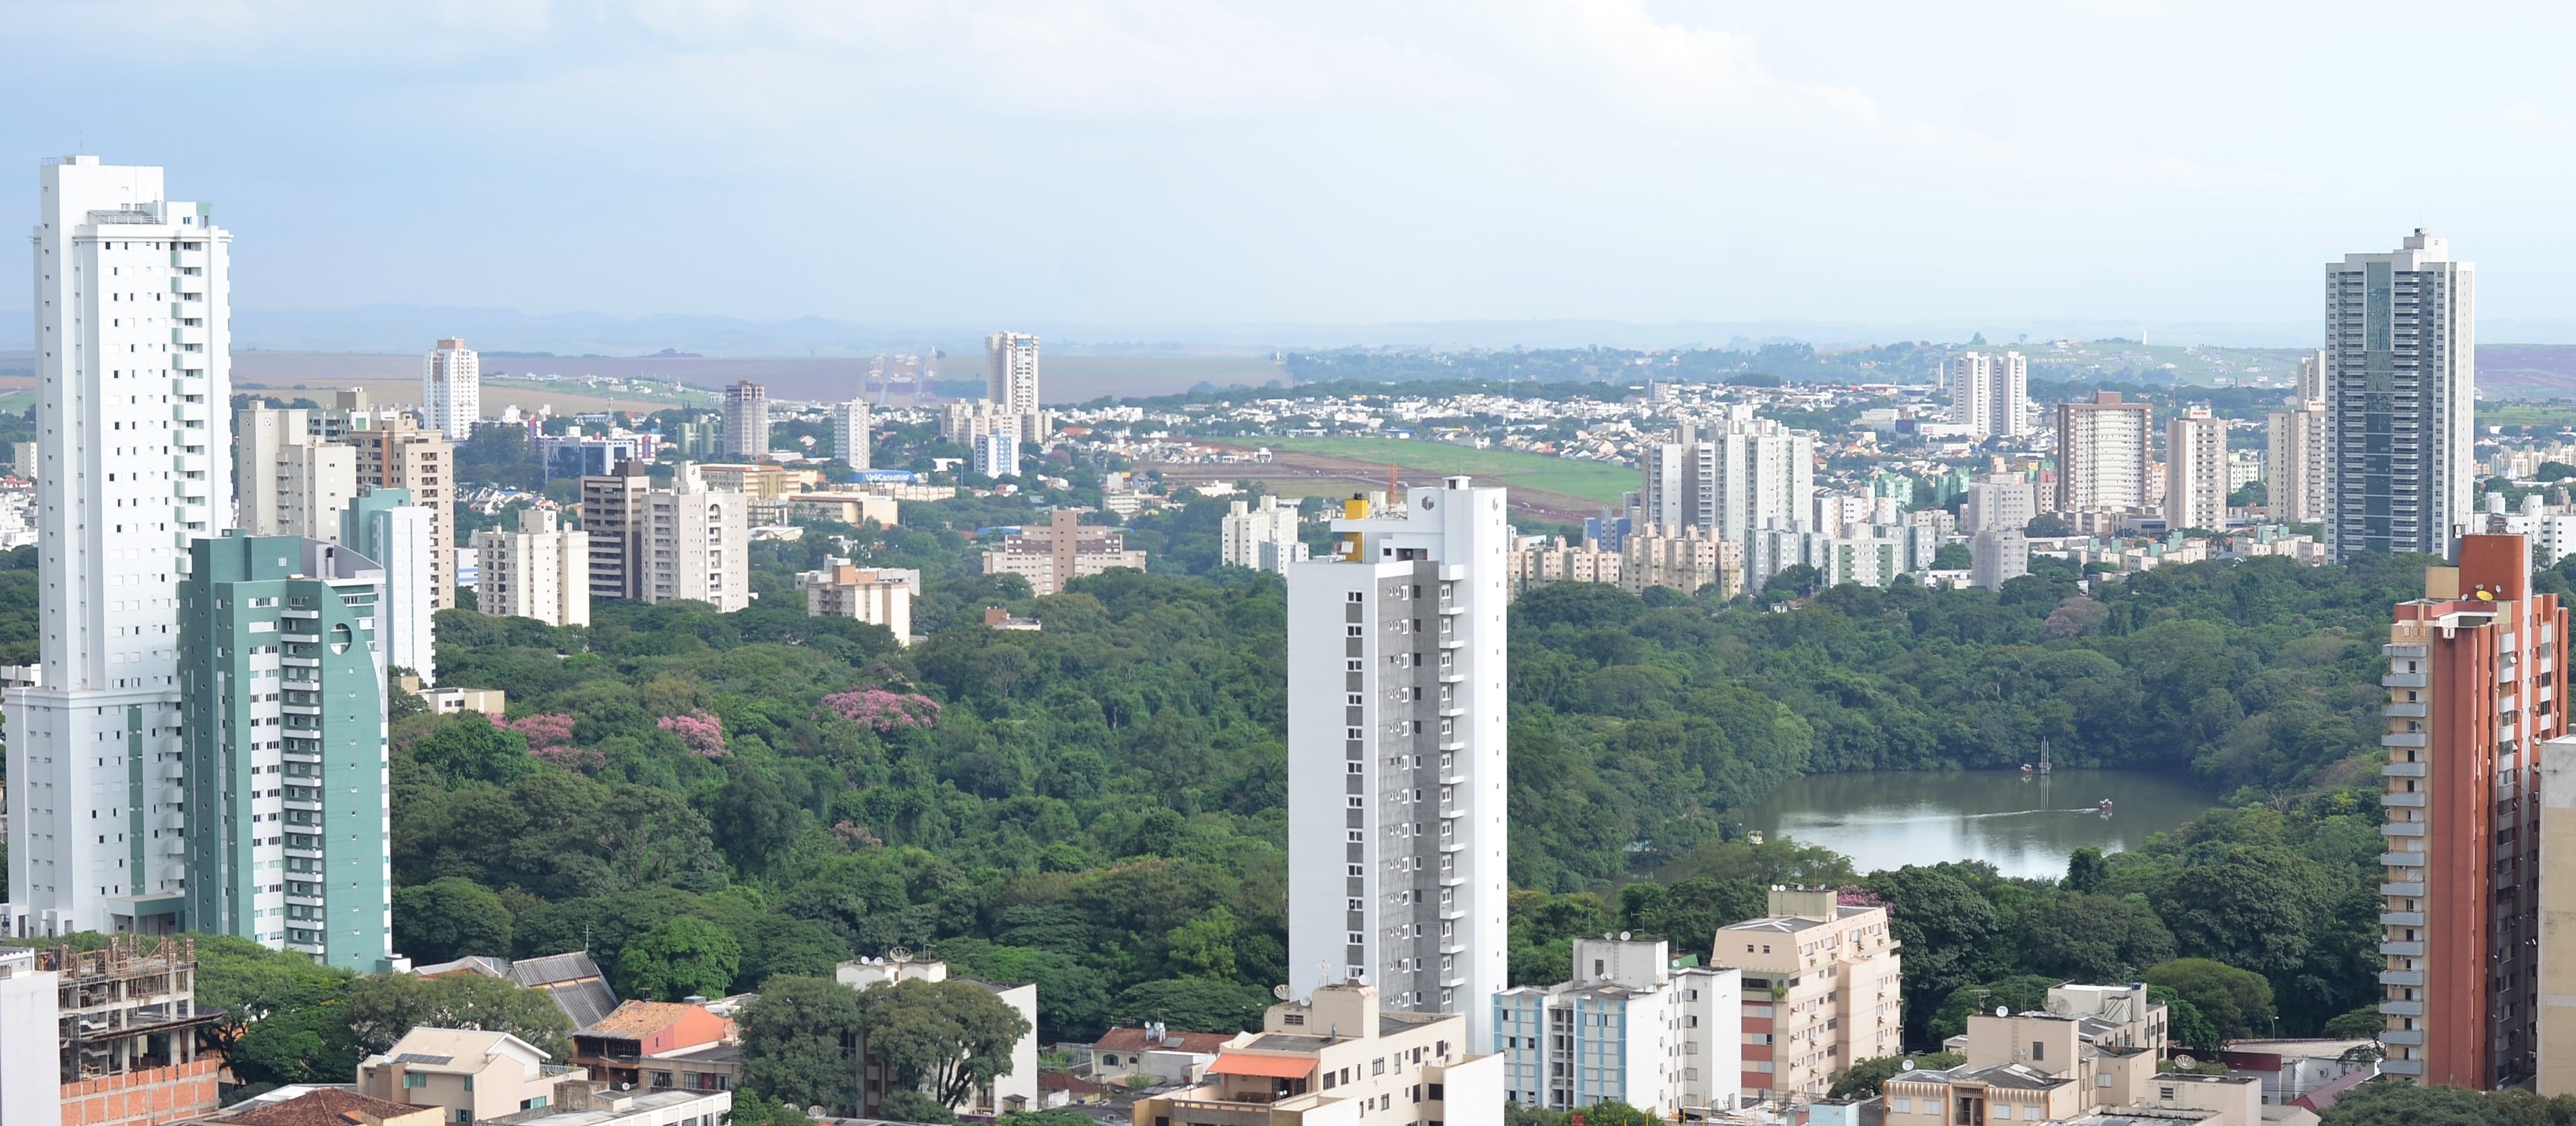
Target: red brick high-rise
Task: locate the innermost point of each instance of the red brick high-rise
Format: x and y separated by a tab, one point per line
2474	685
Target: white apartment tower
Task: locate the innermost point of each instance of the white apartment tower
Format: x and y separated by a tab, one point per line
1396	768
451	390
2401	372
2196	471
850	433
697	544
2102	454
131	301
1990	394
540	571
746	420
2294	471
1011	372
1732	476
1263	538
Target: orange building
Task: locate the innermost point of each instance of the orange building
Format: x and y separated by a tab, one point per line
660	1045
2474	686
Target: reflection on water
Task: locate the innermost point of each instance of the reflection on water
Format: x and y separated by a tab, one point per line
2023	826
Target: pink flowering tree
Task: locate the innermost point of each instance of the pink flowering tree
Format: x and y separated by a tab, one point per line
543	730
701	733
549	738
883	710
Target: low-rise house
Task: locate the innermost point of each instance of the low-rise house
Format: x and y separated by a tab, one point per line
660	1046
1341	1058
2290	1069
1064	1088
471	1075
1157	1053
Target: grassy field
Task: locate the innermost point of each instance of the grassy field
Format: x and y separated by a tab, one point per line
1584	479
2544	415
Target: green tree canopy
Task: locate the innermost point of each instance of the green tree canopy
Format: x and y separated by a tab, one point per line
682	957
944	1038
382	1007
1196	1004
794	1043
450	917
2237	1002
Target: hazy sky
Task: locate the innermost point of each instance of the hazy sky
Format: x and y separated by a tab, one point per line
1181	160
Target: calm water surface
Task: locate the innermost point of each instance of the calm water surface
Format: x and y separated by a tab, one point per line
1890	818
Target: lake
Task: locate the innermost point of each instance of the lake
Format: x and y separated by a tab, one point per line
2025	828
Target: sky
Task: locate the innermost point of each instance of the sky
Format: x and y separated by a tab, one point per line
1320	161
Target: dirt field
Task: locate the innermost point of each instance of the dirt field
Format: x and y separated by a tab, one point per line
1064	379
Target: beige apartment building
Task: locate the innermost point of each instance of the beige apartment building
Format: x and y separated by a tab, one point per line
1685	558
540	571
398	454
2092	1049
1062	551
1340	1058
612	516
473	1076
877	596
2555	1039
1820	991
1537	562
655	545
290	481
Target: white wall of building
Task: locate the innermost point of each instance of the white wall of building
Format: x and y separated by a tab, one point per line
1395	806
850	433
132	373
30	1057
451	390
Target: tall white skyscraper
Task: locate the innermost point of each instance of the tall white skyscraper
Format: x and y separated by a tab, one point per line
1396	768
850	433
1732	476
1011	372
2401	339
1990	394
451	390
746	420
2196	471
132	377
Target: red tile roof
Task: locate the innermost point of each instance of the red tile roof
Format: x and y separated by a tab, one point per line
328	1106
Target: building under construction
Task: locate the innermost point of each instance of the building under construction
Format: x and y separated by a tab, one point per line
128	1021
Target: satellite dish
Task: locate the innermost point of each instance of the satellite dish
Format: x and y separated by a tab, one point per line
2182	1061
1907	1065
1279	991
2058	1005
899	954
2002	1011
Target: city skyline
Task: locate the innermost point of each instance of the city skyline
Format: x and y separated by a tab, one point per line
1306	165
